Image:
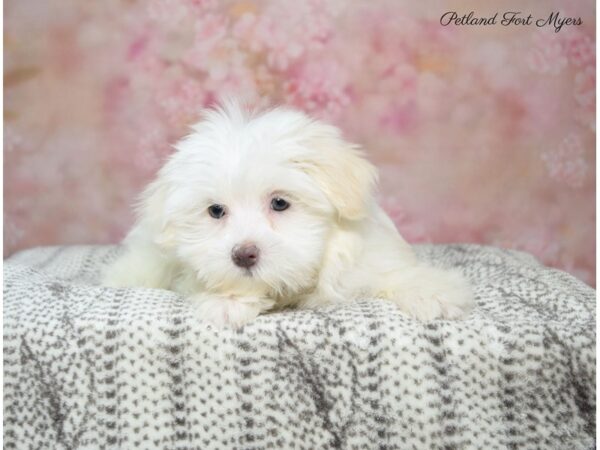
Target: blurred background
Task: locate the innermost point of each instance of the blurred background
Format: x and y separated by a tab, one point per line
482	134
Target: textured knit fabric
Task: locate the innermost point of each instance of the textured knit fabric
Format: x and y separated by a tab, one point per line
89	367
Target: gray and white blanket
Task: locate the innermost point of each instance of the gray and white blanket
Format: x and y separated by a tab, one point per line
92	367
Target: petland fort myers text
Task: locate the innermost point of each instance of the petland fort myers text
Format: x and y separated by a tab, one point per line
510	18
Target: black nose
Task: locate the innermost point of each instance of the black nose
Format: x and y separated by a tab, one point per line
245	255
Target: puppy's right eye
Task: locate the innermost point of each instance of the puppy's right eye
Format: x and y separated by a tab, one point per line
216	211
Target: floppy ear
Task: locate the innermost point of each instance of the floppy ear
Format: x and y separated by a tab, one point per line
153	215
340	170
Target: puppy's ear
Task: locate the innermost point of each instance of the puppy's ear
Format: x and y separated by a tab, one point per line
153	216
340	170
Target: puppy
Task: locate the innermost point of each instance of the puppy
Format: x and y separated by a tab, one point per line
258	211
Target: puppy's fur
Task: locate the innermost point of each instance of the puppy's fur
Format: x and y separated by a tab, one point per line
332	244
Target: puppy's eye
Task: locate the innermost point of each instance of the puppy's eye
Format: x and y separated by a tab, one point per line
216	211
279	204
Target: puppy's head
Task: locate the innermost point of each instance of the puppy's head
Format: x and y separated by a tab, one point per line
248	200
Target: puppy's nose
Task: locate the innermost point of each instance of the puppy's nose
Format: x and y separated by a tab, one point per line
245	255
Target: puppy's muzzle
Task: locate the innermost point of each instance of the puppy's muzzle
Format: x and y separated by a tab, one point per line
245	255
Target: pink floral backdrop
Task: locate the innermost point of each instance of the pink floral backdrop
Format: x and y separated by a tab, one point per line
482	133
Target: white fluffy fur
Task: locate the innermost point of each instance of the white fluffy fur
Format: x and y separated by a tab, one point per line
334	244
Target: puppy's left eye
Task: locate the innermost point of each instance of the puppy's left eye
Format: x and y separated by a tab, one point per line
216	211
279	204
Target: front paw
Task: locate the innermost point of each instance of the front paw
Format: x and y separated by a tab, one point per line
435	294
439	305
232	311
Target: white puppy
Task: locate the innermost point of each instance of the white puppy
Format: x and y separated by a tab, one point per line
256	211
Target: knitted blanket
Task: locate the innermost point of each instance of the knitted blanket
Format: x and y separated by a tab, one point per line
92	367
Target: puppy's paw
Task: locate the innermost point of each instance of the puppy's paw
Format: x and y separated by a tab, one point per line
230	311
427	293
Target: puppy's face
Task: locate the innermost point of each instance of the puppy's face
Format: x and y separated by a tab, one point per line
249	203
